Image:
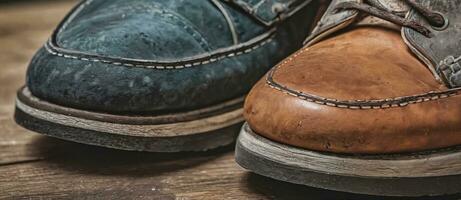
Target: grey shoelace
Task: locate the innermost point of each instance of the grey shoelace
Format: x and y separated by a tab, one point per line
374	9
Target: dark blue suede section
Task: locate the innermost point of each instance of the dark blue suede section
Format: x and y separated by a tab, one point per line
148	29
149	34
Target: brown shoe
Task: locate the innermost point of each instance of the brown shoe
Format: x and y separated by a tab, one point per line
370	105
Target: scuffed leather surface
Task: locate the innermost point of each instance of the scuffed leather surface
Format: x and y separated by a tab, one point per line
270	11
436	52
340	68
331	18
161	31
397	6
444	45
154	30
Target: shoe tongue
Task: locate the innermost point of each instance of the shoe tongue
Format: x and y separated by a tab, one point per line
270	11
391	5
333	21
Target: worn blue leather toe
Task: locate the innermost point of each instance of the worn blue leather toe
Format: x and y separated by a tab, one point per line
156	75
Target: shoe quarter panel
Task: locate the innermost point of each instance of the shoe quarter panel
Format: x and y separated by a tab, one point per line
443	50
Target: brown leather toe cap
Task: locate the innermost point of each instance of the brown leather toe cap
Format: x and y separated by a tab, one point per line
359	92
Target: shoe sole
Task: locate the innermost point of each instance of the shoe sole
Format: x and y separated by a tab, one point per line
196	130
431	173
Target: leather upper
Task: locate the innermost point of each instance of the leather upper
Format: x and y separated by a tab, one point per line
443	51
359	88
159	56
439	53
270	11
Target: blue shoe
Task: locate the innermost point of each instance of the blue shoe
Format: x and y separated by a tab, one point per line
155	75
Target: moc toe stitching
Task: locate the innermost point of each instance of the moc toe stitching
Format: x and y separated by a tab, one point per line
360	103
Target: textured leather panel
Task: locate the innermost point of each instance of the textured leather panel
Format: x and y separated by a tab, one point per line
334	20
340	69
82	79
441	50
363	91
393	5
363	64
270	11
331	19
153	29
439	53
293	121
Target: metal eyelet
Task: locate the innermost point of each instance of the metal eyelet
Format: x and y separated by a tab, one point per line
445	24
278	8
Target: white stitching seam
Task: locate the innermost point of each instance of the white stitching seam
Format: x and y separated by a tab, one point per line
212	59
257	5
73	15
429	96
339	104
159	66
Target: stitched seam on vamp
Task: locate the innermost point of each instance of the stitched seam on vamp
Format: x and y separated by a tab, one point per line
358	104
160	66
49	46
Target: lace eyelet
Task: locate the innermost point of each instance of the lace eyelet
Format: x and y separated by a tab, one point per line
445	24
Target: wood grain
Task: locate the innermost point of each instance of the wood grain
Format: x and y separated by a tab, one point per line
23	29
37	167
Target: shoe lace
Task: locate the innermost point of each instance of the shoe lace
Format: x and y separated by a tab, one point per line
435	19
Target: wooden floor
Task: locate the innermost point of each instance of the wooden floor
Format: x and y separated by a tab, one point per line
35	167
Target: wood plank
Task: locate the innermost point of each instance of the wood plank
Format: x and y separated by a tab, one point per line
75	170
79	171
24	27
